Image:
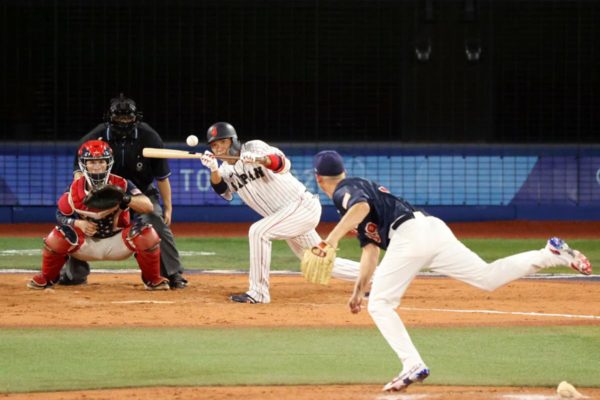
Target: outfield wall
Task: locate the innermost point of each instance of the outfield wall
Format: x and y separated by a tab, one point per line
455	182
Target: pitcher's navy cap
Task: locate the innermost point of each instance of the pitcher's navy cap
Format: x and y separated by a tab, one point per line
328	163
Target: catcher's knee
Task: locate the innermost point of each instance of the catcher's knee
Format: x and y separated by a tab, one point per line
63	239
142	237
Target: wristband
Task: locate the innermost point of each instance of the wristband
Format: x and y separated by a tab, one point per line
125	202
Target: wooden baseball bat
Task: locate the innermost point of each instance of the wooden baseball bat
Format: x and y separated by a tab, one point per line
151	152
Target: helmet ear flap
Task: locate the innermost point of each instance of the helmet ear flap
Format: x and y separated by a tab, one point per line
235	146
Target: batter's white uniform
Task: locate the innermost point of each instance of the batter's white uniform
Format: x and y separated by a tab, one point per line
290	212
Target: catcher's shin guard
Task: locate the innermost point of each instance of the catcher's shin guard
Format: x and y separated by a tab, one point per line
61	241
145	242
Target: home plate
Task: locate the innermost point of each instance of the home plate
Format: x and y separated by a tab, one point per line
142	302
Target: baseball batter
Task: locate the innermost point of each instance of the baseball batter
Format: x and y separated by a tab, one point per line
262	179
414	240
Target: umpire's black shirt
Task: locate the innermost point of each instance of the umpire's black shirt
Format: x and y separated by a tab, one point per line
129	161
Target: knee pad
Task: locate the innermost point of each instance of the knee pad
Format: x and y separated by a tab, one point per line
63	239
142	237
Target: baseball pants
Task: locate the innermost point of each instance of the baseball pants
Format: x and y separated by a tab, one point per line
76	270
296	225
427	241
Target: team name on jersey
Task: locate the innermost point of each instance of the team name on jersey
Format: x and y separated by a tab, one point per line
244	178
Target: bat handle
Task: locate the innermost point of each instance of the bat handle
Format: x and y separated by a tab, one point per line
228	158
260	160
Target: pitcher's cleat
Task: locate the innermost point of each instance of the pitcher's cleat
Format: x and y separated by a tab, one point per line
418	373
571	257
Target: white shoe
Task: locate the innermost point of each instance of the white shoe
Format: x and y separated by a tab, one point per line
418	373
573	258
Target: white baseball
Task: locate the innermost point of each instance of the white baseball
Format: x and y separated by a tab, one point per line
192	140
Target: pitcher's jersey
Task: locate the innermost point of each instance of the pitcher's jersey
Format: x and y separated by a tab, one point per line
263	190
385	208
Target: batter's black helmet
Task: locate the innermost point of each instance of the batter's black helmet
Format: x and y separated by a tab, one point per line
223	130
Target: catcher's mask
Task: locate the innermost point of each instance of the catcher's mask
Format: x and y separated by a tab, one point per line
223	130
123	116
95	150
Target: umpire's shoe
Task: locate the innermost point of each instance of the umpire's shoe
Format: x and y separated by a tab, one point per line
418	373
66	281
176	281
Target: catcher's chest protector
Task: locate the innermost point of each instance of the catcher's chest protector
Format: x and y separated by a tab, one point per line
109	222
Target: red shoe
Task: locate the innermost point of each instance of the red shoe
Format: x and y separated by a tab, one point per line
38	282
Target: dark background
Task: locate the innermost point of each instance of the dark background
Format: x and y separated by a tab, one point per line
307	71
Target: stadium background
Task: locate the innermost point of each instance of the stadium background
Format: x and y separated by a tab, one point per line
471	109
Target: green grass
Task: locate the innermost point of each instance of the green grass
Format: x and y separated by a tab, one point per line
232	253
67	359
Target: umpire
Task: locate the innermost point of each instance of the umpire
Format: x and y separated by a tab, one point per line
127	135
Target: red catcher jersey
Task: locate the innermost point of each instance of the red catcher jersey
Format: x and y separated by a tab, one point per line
110	221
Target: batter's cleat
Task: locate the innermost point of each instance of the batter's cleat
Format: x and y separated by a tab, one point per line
418	373
243	298
573	258
38	282
161	285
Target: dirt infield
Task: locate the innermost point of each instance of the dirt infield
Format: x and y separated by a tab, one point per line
332	392
111	300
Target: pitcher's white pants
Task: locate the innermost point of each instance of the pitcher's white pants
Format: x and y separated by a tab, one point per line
295	224
428	242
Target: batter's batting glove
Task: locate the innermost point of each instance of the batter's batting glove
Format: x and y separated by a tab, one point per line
209	161
317	263
249	157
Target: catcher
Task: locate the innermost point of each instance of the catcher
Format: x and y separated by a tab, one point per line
412	240
94	222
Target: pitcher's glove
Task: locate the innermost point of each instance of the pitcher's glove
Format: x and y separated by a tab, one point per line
317	263
107	196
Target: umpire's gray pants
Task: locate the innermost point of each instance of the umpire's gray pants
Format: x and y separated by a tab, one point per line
77	270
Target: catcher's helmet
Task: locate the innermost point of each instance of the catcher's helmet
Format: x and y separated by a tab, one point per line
123	115
95	150
223	130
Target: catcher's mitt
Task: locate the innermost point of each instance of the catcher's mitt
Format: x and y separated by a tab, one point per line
317	263
104	197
